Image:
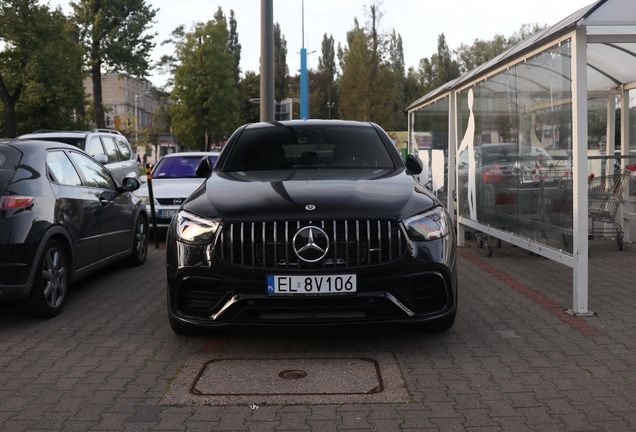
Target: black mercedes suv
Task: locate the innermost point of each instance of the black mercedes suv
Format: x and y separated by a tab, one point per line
304	224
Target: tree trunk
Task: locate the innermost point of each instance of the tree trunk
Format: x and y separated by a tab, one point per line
98	108
9	119
9	108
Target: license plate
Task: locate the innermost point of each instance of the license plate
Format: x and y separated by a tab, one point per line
308	284
166	214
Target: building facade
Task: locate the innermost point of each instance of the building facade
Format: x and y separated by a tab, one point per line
129	105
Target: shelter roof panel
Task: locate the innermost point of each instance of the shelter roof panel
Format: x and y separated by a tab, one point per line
533	42
611	13
617	63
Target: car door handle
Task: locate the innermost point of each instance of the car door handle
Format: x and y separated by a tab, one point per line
105	197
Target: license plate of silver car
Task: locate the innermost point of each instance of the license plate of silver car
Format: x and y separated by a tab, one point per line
166	214
311	284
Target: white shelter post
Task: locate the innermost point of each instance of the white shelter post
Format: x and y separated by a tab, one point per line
579	181
625	223
611	127
452	154
452	161
610	146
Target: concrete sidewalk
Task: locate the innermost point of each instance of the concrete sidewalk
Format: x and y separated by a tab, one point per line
513	361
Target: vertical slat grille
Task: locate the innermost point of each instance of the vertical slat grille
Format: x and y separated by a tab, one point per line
352	243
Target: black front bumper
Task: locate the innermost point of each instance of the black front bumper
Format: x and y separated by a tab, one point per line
206	291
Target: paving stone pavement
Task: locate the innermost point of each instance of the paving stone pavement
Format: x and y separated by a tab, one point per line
512	362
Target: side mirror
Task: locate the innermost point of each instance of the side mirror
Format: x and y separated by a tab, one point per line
101	158
413	165
204	168
130	184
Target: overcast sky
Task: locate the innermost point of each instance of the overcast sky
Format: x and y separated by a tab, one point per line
419	22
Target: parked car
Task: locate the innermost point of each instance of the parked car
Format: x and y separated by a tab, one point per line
62	216
174	178
305	224
106	146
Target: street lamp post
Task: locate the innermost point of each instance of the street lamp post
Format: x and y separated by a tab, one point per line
329	103
329	106
136	123
304	91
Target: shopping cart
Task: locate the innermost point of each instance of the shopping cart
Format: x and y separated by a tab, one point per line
604	196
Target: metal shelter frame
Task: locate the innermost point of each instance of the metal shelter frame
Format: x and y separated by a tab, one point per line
602	45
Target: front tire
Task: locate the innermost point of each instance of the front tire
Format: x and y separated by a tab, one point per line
50	285
140	243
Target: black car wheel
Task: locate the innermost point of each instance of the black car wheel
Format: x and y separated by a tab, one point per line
48	293
140	243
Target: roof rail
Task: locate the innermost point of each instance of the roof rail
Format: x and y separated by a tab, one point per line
113	131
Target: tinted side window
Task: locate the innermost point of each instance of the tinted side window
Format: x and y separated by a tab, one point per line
62	168
94	147
124	149
111	149
9	160
95	175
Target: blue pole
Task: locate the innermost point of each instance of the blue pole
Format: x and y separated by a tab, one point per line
304	105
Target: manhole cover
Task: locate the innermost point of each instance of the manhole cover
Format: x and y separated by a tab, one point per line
284	378
293	374
256	376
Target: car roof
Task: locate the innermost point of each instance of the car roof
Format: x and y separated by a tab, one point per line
31	143
313	122
68	134
192	153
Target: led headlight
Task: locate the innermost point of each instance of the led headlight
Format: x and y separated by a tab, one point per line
192	229
431	225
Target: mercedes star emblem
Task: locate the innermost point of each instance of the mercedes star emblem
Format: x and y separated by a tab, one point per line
311	244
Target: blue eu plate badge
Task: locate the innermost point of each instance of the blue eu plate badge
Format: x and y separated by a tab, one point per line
270	284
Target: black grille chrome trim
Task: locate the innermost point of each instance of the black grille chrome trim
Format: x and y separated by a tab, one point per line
354	243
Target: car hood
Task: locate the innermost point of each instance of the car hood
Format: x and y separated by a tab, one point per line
284	195
170	188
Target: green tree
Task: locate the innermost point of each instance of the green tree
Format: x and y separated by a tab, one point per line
115	39
481	51
168	63
160	120
396	60
413	86
440	68
233	45
322	89
40	68
367	83
355	64
249	92
281	71
205	99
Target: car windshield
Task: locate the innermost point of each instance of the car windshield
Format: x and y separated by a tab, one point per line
177	167
309	146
